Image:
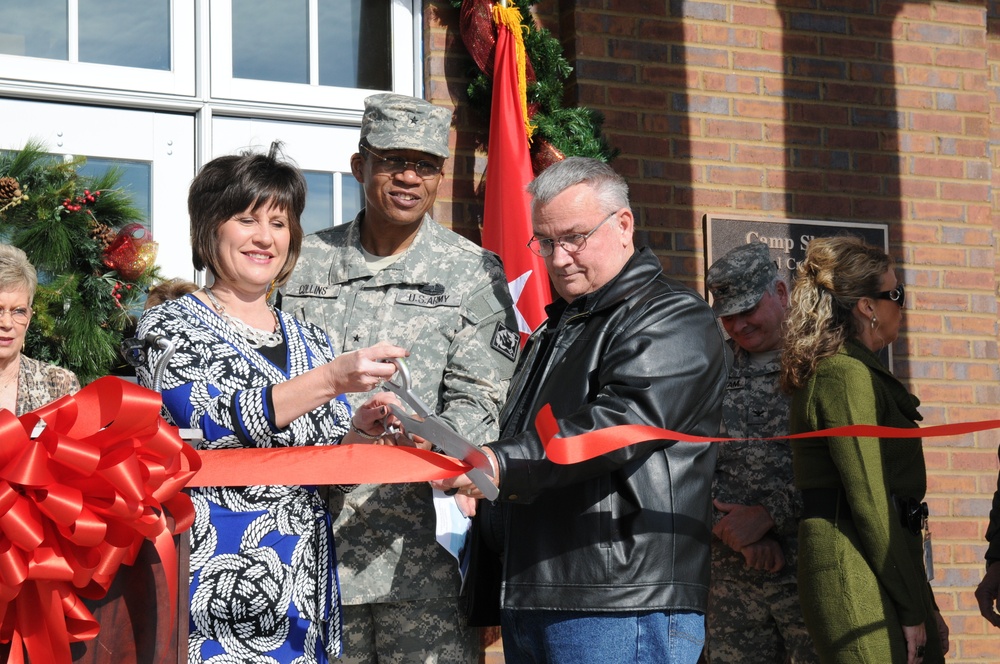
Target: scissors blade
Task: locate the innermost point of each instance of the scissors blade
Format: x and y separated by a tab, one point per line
454	445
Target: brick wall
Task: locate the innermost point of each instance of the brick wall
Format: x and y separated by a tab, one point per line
833	110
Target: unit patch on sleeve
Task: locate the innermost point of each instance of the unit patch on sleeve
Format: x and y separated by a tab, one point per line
505	341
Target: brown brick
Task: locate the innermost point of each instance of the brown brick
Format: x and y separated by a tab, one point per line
956	529
760	200
697	149
758	16
819	207
734	129
970	325
732	83
758	109
951	484
968	280
663	75
958	14
761	62
741	176
946	393
797	181
757	154
969	148
960	59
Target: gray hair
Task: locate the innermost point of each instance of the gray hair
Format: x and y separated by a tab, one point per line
609	187
16	271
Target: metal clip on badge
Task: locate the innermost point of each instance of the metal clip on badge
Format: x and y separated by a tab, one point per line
426	424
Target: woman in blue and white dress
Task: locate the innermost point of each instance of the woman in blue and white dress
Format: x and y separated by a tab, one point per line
263	568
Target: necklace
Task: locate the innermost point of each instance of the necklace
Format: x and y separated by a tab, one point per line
256	338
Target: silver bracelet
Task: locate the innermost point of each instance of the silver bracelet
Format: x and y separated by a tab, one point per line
366	436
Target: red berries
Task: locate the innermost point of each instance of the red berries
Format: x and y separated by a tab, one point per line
76	204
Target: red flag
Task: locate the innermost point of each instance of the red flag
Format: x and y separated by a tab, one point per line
507	213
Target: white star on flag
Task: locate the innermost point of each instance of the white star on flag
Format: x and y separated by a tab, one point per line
516	287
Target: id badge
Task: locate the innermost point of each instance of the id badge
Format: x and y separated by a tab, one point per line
928	556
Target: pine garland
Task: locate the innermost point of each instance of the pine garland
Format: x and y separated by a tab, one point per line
573	131
63	221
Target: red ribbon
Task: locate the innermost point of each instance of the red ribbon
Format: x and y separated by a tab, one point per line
336	464
574	449
77	502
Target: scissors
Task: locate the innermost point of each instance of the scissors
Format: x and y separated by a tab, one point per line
426	424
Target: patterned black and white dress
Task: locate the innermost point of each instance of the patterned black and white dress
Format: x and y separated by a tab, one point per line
263	568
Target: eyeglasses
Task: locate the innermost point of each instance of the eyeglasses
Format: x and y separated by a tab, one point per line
572	243
396	165
20	315
897	295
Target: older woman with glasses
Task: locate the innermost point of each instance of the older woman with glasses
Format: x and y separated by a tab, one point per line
862	582
25	384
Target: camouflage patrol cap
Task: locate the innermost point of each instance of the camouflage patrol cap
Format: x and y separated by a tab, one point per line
739	279
398	122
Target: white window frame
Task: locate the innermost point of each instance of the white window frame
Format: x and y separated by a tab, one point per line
179	80
167	118
312	147
405	21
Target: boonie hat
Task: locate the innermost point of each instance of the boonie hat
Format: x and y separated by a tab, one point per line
399	122
739	279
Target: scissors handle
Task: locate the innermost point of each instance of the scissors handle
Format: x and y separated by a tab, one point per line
403	374
402	387
429	426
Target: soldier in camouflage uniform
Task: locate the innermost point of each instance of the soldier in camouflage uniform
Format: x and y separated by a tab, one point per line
753	609
395	274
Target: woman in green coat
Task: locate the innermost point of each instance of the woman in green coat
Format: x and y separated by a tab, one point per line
862	583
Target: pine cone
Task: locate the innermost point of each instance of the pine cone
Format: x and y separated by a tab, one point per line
9	188
103	234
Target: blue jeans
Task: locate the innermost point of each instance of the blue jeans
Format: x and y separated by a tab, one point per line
573	637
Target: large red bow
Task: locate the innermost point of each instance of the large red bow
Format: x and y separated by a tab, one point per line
77	502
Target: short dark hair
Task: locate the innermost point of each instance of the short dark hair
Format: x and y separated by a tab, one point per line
231	184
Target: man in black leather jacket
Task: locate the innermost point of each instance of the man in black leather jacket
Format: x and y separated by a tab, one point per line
605	560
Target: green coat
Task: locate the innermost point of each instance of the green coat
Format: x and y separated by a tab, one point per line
862	577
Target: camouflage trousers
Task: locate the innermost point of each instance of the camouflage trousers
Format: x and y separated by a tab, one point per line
754	622
430	631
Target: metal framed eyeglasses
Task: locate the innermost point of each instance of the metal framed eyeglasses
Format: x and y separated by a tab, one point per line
394	165
20	315
897	295
572	243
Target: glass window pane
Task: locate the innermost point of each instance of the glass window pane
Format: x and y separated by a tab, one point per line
125	33
318	213
37	29
352	197
271	40
355	44
136	179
